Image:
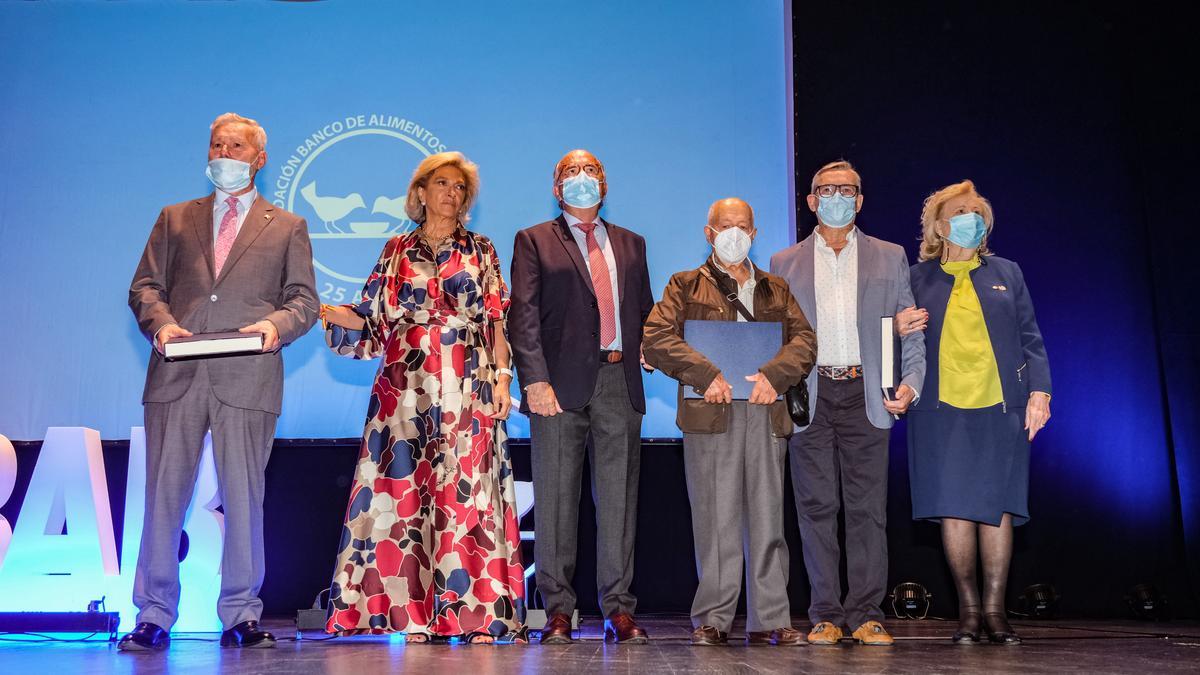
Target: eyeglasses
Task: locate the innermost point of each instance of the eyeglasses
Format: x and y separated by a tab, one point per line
830	190
574	169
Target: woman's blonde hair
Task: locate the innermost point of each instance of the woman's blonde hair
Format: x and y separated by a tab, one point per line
420	179
931	242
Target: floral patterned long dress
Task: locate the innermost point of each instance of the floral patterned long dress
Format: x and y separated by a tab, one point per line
431	542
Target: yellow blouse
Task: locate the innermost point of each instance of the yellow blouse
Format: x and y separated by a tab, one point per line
967	369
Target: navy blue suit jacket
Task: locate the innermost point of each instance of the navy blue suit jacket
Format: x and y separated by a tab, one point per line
554	322
1012	327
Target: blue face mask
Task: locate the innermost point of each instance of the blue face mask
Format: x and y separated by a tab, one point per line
229	175
581	191
836	211
967	230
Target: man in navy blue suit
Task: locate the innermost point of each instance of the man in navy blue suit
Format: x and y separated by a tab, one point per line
580	295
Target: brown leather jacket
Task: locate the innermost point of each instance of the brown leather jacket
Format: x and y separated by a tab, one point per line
695	295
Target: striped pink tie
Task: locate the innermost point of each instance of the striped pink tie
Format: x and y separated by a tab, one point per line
602	284
226	234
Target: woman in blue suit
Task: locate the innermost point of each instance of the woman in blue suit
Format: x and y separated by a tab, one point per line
986	395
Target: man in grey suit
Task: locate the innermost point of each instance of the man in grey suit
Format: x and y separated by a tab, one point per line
227	261
844	281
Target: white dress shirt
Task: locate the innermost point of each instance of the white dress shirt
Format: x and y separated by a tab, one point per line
835	280
601	233
745	291
220	208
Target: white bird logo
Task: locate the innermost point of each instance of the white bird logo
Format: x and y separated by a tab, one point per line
391	207
331	209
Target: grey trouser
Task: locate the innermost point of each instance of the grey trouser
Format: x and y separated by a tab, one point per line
174	442
842	459
735	486
559	444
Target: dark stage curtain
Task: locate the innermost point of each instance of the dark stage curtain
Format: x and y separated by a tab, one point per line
1076	120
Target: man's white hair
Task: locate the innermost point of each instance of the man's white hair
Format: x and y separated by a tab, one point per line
258	133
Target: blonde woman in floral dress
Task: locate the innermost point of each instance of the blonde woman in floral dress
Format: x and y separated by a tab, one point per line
431	546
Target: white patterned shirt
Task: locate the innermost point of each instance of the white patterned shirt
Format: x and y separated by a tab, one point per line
835	282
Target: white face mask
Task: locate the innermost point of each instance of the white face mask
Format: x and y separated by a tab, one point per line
731	245
227	174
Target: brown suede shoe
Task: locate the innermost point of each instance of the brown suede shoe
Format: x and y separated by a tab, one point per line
624	630
873	633
825	633
708	636
557	630
783	637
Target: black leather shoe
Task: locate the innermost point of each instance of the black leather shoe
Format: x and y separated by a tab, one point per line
247	634
145	637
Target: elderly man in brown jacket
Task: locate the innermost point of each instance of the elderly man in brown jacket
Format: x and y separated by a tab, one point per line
734	450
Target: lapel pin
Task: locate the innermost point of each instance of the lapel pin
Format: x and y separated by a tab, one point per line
1000	288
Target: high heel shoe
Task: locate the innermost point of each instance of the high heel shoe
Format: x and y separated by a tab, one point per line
968	628
998	629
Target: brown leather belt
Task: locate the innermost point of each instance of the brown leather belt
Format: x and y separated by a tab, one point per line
610	356
840	372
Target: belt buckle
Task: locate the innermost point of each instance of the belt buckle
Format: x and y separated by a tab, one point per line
841	373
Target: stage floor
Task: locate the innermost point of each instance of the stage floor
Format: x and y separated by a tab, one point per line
922	647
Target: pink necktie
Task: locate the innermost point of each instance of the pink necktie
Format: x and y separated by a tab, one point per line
226	234
602	283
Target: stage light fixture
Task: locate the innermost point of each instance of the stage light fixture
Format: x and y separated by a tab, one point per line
910	600
1039	601
1148	603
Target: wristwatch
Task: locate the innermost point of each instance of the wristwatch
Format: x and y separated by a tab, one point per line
504	371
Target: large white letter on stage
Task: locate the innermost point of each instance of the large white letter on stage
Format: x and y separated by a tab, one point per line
200	570
62	548
62	553
8	479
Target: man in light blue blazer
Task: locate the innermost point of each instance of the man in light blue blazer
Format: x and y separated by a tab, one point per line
845	281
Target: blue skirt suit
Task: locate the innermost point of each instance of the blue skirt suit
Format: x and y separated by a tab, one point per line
973	464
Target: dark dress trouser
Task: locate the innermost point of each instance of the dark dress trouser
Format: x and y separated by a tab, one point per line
559	444
841	458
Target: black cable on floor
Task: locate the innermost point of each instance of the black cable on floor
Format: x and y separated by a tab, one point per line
42	637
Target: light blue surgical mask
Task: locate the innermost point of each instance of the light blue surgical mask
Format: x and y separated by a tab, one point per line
836	211
967	230
581	191
228	174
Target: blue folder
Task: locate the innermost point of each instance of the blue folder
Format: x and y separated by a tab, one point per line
738	348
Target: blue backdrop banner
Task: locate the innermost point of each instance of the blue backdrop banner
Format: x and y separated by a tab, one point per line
107	108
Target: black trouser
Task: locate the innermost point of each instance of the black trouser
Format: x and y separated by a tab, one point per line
841	458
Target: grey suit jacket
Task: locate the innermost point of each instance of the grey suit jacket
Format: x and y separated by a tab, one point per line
883	290
268	275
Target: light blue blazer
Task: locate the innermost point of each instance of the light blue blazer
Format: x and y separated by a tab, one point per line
883	290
